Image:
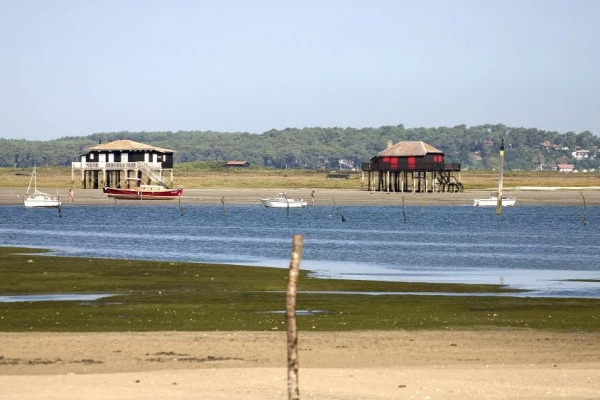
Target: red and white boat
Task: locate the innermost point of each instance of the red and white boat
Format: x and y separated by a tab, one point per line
144	192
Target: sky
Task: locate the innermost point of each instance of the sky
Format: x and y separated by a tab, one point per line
78	67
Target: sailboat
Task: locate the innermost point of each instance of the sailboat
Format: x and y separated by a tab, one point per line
492	201
496	198
39	199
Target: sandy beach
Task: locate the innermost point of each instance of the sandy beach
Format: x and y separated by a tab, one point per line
471	364
330	197
481	364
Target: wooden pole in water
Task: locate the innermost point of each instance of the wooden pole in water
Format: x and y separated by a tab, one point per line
338	210
584	209
403	211
224	206
59	210
292	331
499	201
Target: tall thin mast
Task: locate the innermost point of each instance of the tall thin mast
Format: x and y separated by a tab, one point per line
499	203
32	179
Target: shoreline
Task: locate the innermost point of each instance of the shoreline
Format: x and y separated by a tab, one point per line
331	197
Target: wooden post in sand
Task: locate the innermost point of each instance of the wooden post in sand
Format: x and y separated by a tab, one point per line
292	332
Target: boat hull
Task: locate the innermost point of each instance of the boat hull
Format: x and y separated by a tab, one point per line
42	201
493	202
143	194
283	203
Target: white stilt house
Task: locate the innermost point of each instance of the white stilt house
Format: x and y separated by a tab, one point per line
117	163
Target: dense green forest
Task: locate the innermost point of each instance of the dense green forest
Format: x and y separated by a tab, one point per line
335	148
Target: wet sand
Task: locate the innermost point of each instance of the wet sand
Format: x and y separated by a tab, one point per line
329	197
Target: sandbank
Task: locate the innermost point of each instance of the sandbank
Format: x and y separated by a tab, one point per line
472	364
330	197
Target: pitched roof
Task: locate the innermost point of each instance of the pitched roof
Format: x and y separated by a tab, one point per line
237	163
127	145
411	148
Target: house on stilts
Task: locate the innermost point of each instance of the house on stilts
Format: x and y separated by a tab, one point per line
122	163
412	166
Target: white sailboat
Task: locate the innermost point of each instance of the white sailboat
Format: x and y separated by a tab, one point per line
497	199
492	201
37	198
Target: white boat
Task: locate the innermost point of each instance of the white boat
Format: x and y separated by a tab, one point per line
492	201
37	198
283	201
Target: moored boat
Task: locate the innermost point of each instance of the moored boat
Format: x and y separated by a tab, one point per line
492	201
283	201
39	199
144	192
496	199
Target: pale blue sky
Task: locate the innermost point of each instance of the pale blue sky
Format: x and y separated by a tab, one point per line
71	68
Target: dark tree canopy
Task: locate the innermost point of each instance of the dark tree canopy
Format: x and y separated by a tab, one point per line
474	147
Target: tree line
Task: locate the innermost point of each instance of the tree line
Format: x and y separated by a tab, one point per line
334	148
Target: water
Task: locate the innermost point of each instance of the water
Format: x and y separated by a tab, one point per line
537	248
82	297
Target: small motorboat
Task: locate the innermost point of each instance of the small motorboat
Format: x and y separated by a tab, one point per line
282	200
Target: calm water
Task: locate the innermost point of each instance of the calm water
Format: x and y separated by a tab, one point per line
537	248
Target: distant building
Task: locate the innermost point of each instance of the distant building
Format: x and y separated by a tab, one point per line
549	146
412	166
122	161
580	154
565	167
346	164
237	164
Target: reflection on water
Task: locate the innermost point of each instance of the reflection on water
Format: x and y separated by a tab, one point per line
538	248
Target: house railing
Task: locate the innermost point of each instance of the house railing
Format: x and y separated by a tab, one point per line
115	165
440	167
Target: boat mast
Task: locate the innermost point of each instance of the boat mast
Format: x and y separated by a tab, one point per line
33	177
499	202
